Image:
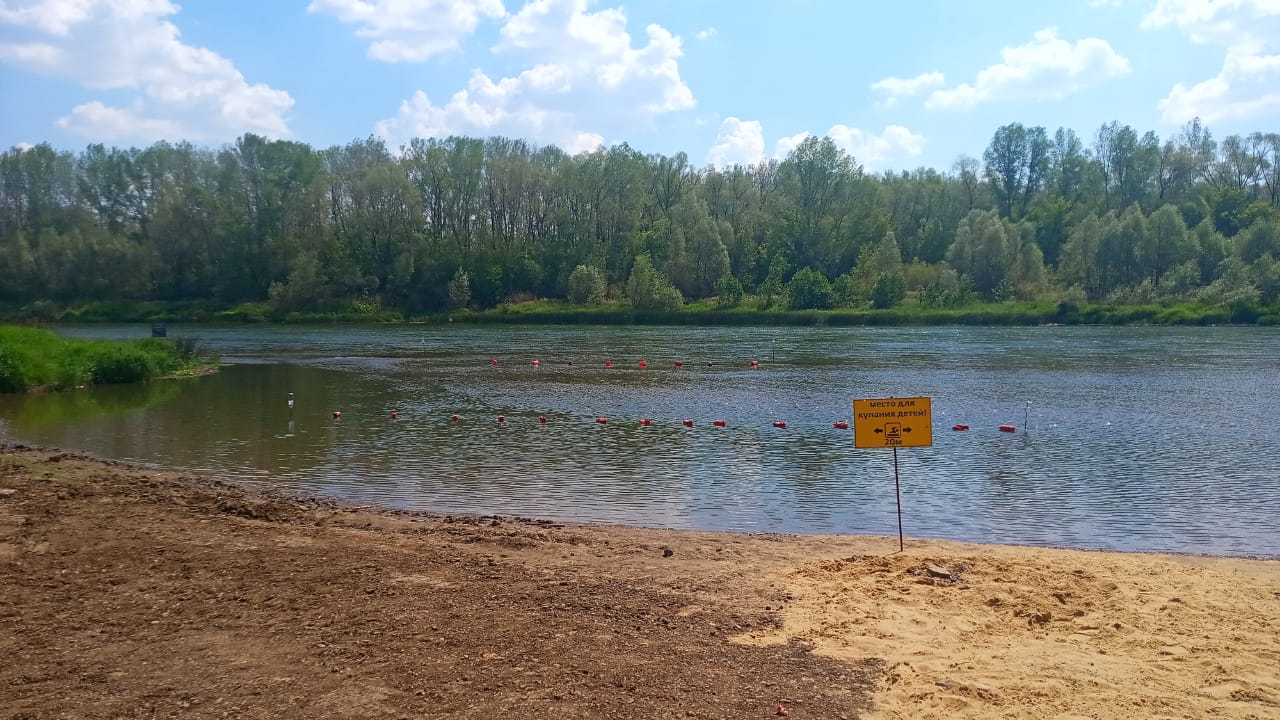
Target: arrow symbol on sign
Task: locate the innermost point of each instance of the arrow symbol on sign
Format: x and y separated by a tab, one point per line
879	430
906	429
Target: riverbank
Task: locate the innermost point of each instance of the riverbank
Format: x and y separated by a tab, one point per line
701	313
138	592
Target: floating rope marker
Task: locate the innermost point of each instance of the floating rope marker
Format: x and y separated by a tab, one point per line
602	420
678	364
494	362
840	425
646	422
1008	428
455	418
608	363
688	423
755	363
719	423
779	424
542	419
644	363
960	426
337	414
502	418
394	415
536	363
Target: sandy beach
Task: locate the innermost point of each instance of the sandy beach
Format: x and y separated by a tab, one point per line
135	592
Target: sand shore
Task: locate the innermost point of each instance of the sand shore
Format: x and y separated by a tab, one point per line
130	592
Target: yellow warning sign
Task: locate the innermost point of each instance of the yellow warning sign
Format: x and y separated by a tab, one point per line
893	422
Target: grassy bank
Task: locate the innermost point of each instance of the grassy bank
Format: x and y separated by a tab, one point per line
705	312
31	358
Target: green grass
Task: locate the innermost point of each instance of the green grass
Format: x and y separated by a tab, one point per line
31	358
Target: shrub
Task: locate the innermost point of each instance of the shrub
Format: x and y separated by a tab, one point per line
586	285
729	292
810	290
890	289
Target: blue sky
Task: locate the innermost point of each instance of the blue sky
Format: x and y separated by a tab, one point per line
899	85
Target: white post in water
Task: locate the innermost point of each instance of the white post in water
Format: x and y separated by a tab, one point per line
1026	417
290	402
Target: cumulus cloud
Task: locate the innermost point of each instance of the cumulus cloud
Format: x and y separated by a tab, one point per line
895	88
738	142
584	75
1248	84
183	92
742	142
787	143
1046	67
707	33
872	150
411	31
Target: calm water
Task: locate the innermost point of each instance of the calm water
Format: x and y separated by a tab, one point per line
1137	438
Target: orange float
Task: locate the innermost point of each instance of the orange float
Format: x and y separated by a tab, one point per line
719	423
688	423
959	427
1008	428
779	423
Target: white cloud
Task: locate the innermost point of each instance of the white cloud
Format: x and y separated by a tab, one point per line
1248	85
583	76
787	143
743	142
873	151
738	142
183	92
707	33
403	31
895	88
23	146
1046	67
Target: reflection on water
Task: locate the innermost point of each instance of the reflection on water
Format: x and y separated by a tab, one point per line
1138	438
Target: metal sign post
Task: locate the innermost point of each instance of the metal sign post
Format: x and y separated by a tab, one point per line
893	423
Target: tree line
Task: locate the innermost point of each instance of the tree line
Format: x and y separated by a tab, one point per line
469	222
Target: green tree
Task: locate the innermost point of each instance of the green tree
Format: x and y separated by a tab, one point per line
890	289
809	290
648	290
586	285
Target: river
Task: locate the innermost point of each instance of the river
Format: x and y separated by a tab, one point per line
1135	438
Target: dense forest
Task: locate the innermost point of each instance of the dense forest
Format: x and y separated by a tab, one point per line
1119	218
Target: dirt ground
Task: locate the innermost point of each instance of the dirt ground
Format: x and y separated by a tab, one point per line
129	592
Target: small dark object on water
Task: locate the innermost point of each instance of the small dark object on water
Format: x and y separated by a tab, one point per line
668	552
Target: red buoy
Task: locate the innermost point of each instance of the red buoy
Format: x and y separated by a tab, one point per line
755	363
688	423
602	420
394	415
502	418
542	419
570	363
840	425
644	363
959	426
678	363
719	423
779	424
708	363
1008	428
494	362
337	414
455	417
646	422
608	363
536	363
